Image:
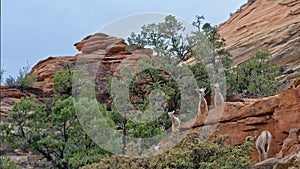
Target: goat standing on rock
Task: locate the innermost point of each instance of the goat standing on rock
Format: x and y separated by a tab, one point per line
175	121
202	107
262	143
218	98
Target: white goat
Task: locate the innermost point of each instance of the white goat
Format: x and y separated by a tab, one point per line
218	98
263	143
175	121
156	148
202	107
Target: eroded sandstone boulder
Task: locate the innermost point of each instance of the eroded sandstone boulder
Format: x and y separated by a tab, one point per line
101	57
291	143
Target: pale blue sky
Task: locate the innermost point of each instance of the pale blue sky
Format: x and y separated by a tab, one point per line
32	30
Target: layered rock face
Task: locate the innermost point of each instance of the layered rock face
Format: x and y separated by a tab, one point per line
278	114
265	24
100	57
10	96
270	24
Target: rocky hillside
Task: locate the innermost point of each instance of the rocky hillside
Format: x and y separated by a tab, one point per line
265	24
279	113
261	24
106	54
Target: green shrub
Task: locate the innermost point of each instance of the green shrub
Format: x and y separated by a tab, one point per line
190	153
62	84
23	81
57	136
7	163
1	75
257	76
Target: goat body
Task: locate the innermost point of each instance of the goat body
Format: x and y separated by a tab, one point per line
218	98
175	121
263	143
202	107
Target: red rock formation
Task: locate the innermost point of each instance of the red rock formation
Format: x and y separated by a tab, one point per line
278	114
292	161
10	96
100	57
105	55
291	143
265	24
46	69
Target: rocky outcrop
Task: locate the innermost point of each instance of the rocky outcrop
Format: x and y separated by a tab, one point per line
100	56
10	96
46	69
278	114
291	143
292	161
265	24
267	164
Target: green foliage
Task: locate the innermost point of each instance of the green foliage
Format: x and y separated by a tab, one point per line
156	81
7	163
65	81
96	122
197	22
149	129
257	75
190	153
218	43
121	163
166	38
23	81
1	75
58	136
151	98
62	83
201	75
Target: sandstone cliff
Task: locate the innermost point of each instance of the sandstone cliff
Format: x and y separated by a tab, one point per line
261	24
278	114
266	24
100	56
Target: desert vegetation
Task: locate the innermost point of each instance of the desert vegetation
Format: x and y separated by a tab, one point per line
51	127
23	80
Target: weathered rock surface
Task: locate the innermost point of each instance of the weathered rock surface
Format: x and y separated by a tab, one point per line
292	161
100	57
278	114
46	69
265	24
267	164
10	96
291	143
